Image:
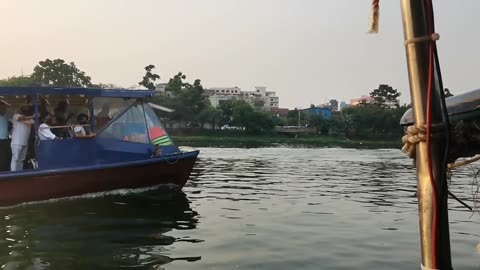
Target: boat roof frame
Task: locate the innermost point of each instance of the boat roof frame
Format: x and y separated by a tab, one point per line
64	91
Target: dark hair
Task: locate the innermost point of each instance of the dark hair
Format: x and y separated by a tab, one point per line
43	117
80	116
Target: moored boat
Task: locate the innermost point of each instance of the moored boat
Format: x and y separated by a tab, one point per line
128	146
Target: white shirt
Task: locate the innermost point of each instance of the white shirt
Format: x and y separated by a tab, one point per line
79	129
21	130
44	133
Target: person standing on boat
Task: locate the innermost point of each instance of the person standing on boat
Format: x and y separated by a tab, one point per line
5	151
103	117
21	132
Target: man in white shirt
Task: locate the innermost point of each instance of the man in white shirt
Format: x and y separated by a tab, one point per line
44	132
21	133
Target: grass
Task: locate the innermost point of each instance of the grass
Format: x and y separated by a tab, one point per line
270	141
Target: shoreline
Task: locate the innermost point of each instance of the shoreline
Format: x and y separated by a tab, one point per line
275	141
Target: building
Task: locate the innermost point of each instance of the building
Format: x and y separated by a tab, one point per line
218	95
280	112
259	98
364	99
326	113
370	100
333	105
344	105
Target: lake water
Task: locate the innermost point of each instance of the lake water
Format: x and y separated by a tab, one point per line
265	208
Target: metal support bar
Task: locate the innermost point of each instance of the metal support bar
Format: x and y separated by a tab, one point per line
415	26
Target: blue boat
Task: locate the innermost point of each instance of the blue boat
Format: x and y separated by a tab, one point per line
128	146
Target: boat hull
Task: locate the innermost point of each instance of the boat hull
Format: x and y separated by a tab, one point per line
57	184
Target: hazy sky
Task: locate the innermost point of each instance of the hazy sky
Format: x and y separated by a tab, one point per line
308	51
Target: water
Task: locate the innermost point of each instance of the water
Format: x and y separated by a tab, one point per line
269	208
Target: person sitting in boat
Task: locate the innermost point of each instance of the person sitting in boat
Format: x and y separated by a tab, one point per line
82	130
60	119
6	153
44	132
103	117
20	134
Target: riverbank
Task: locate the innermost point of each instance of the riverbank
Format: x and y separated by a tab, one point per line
272	141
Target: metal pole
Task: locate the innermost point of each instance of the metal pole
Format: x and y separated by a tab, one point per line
299	117
435	246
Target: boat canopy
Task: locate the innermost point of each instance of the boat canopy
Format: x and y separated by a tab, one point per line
459	107
92	92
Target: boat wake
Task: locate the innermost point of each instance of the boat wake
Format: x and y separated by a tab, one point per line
162	191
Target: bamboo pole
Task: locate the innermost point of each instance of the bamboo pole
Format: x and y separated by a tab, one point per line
434	236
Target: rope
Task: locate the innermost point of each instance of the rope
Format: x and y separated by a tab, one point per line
375	18
413	136
433	37
463	163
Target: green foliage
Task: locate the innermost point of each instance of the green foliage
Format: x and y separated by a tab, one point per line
176	84
149	79
58	73
293	115
370	120
384	94
239	113
187	100
21	81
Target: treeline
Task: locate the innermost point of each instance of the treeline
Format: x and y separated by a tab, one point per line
193	109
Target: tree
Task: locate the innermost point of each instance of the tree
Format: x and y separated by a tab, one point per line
239	113
149	79
21	81
58	73
370	120
176	83
186	99
316	121
384	94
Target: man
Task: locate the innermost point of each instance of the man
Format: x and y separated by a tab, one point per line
44	132
5	152
21	133
103	117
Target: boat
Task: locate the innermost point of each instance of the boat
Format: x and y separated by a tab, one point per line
130	147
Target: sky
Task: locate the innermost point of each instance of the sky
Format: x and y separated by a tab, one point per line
308	51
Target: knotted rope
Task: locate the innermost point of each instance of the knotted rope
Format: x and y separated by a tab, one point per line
414	135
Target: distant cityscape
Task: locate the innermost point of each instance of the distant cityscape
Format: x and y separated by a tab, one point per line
265	100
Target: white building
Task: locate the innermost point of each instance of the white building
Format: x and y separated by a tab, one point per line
259	98
218	94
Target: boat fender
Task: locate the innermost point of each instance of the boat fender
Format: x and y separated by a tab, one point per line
126	138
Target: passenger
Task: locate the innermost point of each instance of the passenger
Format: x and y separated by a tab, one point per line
5	151
79	130
60	120
103	117
21	132
44	132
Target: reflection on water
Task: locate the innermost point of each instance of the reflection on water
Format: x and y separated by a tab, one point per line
96	232
269	208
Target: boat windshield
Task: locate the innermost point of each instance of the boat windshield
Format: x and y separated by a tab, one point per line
137	123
